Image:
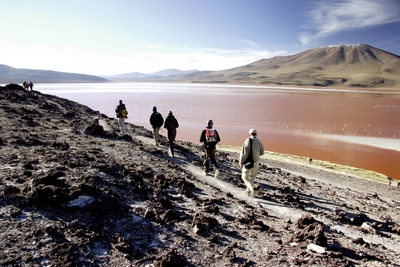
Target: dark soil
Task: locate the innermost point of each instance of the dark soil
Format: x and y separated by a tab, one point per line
77	194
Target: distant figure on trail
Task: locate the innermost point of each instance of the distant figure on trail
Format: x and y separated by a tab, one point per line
171	124
122	114
310	160
25	85
252	149
31	85
156	121
210	138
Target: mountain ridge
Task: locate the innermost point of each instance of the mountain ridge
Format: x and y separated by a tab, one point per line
159	74
343	65
354	65
14	75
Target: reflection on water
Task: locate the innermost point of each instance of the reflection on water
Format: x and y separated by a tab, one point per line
289	120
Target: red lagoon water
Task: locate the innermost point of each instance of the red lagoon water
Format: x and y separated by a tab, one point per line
288	120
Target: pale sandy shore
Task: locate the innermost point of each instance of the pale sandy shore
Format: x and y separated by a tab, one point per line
385	143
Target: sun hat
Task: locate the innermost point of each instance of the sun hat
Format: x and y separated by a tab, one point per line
209	122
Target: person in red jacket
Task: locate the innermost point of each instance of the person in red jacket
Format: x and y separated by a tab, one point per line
210	138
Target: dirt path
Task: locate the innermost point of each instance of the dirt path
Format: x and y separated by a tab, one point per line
274	209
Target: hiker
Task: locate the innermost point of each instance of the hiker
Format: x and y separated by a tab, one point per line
122	114
252	149
31	85
171	124
25	85
156	121
210	138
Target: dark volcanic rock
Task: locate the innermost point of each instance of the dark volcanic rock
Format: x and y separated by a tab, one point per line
73	192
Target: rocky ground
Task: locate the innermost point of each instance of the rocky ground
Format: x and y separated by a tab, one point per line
70	198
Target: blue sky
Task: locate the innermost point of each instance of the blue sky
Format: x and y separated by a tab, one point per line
120	36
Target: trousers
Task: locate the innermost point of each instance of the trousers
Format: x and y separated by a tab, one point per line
121	122
210	156
249	175
156	135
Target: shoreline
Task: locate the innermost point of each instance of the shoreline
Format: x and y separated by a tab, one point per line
317	164
359	172
301	145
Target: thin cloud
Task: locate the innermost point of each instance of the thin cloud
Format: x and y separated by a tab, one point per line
251	44
328	18
186	58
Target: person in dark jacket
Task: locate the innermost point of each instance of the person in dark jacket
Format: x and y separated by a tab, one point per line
171	124
121	114
156	121
31	85
210	138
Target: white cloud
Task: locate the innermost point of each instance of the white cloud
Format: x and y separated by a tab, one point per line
184	58
151	59
327	18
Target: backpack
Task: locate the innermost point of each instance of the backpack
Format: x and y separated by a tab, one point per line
122	111
211	135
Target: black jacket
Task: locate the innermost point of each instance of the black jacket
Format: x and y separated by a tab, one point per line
156	120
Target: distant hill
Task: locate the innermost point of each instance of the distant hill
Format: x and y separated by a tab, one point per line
13	75
137	76
125	76
172	72
358	65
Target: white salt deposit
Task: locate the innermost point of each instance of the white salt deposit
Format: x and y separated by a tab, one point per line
385	143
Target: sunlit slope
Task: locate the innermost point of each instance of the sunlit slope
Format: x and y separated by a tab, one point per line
344	65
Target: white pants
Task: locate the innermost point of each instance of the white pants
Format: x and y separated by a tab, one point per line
249	175
121	122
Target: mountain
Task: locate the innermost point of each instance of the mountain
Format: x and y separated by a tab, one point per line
137	76
357	65
172	72
125	76
13	75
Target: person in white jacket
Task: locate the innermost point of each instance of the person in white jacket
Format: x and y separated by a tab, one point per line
252	148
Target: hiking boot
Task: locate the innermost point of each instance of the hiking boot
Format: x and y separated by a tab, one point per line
216	174
247	191
254	193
